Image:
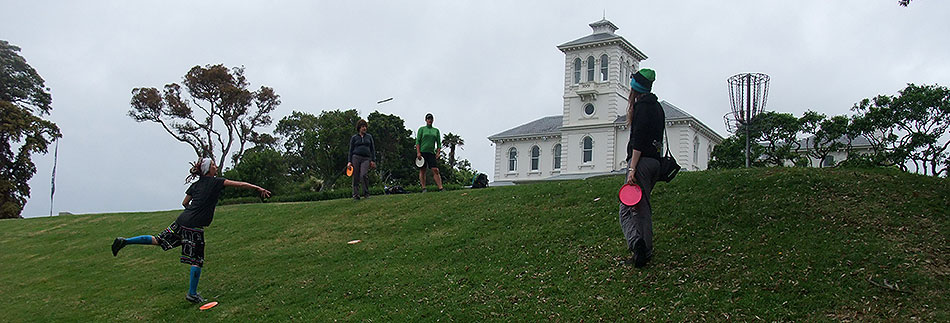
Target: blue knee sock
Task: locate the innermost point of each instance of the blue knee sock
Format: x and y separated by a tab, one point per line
139	240
195	274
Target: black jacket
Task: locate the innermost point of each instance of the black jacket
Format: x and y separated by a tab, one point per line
363	146
646	130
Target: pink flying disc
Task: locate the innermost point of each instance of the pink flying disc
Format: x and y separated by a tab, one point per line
209	305
630	195
354	241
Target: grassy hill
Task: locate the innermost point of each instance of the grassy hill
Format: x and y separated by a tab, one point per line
770	244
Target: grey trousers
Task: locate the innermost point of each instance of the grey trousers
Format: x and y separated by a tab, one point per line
360	175
637	221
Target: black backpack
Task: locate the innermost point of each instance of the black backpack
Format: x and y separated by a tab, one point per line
668	166
480	181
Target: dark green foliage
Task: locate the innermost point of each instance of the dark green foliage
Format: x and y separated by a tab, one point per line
823	134
299	133
730	153
24	99
452	141
910	127
778	134
215	94
395	149
763	244
262	166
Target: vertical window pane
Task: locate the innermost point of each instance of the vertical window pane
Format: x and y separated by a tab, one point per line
577	70
603	67
590	68
512	159
588	149
535	158
557	156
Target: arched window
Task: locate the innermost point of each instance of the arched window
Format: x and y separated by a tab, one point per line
535	158
696	151
588	149
577	70
603	67
557	156
512	159
590	68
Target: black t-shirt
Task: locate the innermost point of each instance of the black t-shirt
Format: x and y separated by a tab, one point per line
204	197
646	130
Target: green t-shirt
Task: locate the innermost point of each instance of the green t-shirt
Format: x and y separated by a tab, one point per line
428	138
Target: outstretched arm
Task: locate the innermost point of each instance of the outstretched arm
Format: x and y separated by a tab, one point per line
264	193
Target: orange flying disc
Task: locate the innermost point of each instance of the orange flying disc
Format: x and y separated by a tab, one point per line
209	305
349	170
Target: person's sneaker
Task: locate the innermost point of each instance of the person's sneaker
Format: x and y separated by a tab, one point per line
442	189
195	298
628	262
423	190
117	245
640	253
356	198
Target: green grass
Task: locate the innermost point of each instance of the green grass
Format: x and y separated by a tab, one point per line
772	244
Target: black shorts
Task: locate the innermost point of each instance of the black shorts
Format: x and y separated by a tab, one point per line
191	240
430	160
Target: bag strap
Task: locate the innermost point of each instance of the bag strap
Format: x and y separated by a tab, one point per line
666	139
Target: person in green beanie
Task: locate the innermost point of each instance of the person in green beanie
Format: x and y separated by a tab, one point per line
646	120
428	144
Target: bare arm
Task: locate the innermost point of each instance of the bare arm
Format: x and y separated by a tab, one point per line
264	193
186	201
632	169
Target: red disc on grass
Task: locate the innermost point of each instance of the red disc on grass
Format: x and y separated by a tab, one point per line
209	305
630	195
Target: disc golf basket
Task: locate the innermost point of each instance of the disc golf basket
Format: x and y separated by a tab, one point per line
747	95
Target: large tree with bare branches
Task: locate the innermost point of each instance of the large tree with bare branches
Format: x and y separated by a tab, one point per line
216	113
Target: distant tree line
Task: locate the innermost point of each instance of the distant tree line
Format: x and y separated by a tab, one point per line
216	114
904	131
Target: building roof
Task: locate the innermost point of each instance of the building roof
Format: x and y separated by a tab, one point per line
550	125
603	34
670	110
859	141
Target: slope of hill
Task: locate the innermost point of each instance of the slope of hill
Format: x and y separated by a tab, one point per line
770	244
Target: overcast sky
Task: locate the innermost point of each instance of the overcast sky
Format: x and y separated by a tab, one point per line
480	66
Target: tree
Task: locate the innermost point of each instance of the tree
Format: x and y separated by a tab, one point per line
221	97
395	148
299	133
24	99
911	127
450	141
730	153
826	134
779	131
261	165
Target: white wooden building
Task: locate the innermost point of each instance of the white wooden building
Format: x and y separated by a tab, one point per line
590	136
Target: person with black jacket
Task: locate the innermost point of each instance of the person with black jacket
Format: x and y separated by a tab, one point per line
362	158
646	120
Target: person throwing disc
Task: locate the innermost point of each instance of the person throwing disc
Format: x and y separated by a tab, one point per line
645	119
188	229
428	143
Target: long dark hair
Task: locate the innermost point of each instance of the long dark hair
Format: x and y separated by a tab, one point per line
194	172
631	99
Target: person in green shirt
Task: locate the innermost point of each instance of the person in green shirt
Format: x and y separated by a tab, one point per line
428	144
